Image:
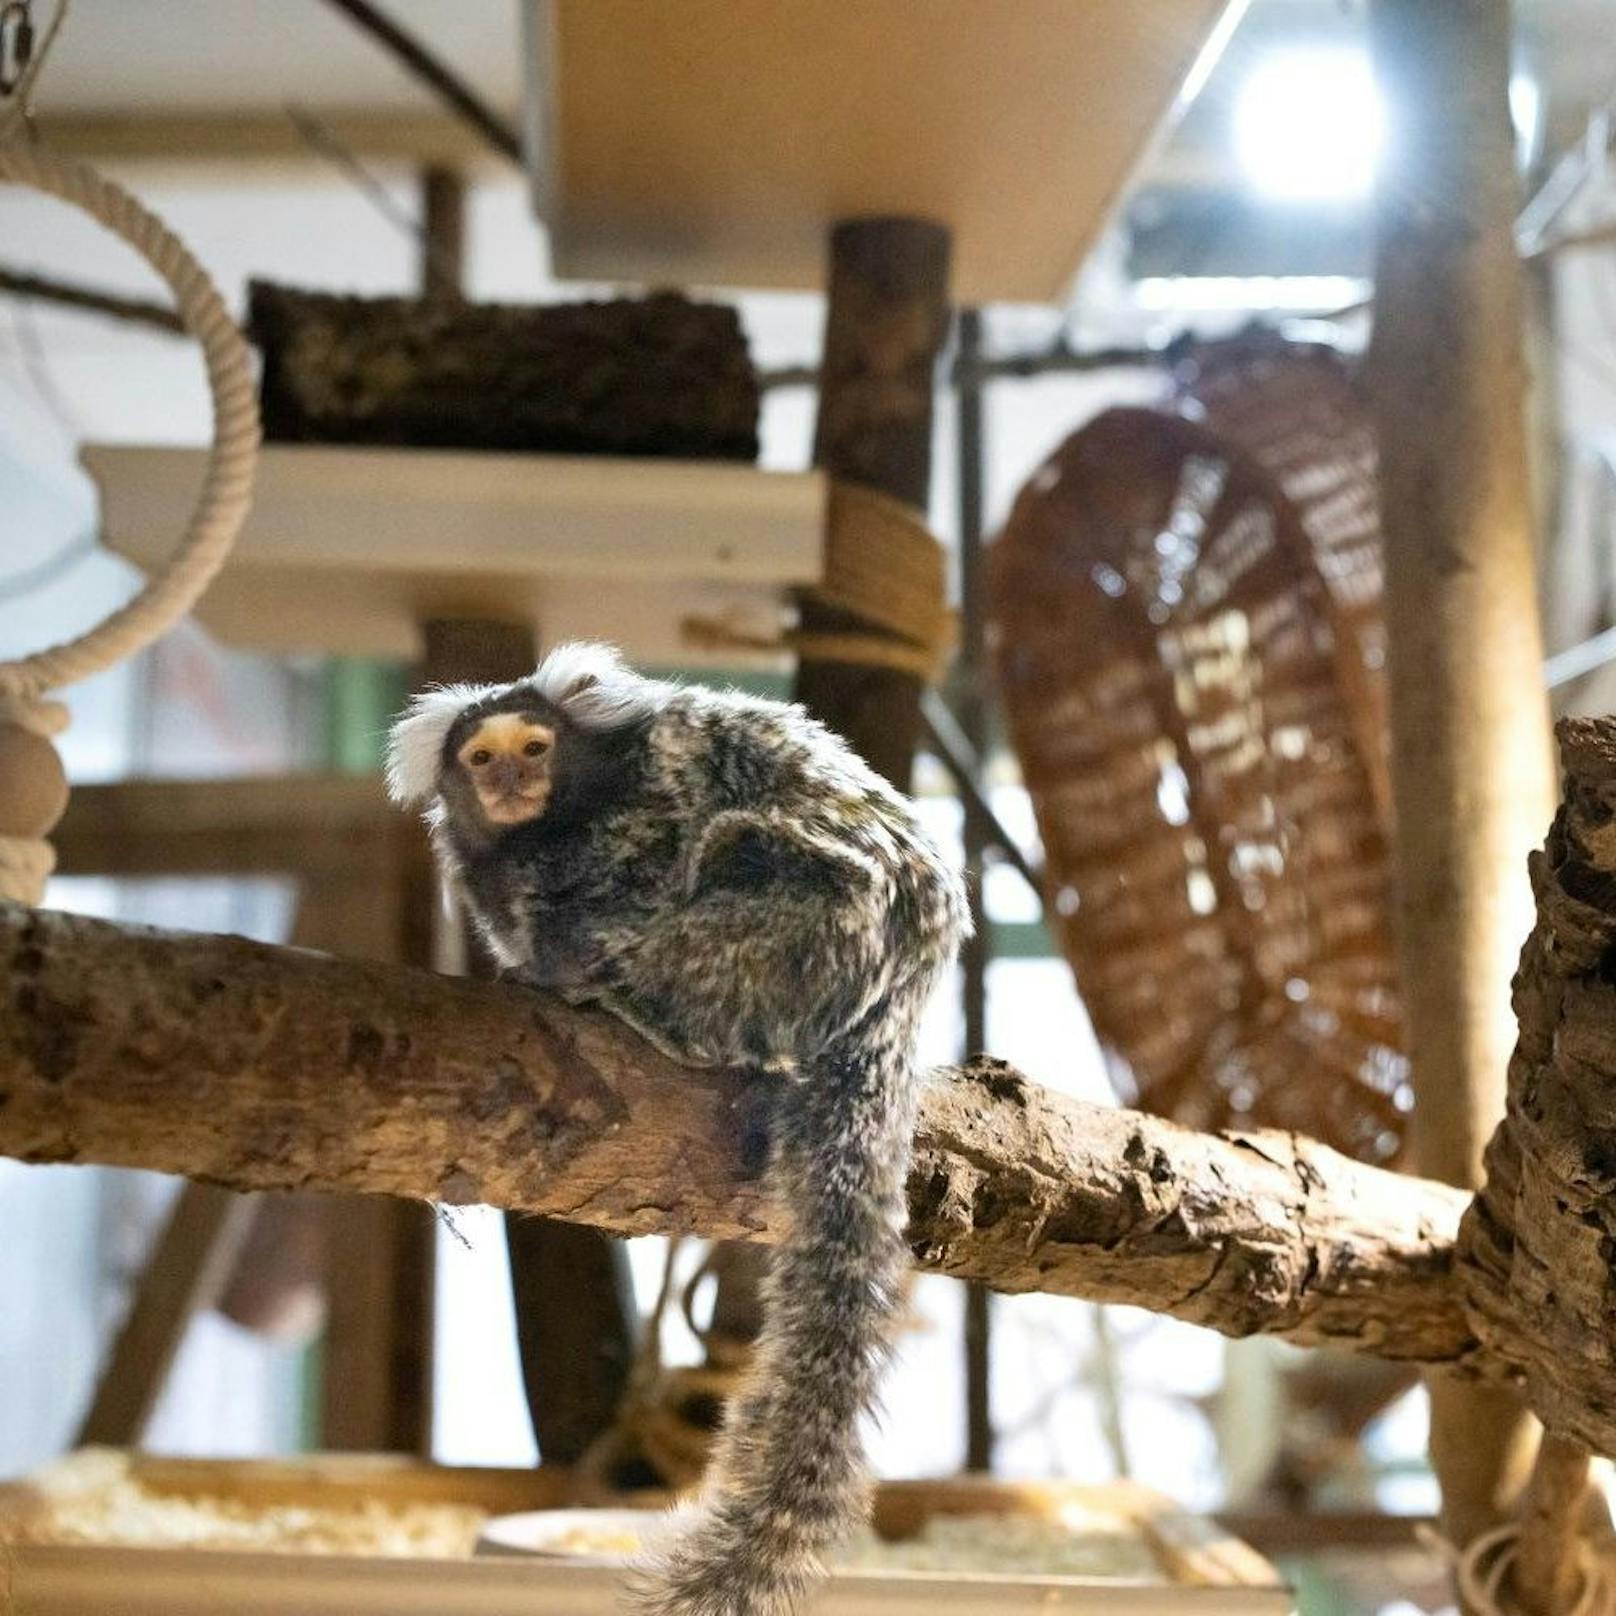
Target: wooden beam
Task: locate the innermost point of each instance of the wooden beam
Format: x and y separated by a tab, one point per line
1470	741
188	1266
267	139
293	824
436	75
272	1068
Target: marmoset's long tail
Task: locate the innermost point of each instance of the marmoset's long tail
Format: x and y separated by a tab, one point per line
788	1480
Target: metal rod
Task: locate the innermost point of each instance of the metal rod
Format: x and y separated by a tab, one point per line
1056	360
1573	663
943	736
977	951
139	311
435	74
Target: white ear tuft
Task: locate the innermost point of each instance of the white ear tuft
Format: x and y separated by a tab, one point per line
415	745
595	688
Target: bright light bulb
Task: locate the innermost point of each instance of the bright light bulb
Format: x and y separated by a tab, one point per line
1309	124
1526	113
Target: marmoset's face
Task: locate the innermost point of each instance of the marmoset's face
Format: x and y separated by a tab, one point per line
507	761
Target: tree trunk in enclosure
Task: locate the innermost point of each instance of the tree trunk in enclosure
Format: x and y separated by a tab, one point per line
1470	753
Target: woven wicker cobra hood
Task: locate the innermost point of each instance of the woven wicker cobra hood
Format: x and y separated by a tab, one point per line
1186	629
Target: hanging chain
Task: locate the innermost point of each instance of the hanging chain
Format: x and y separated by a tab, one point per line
16	43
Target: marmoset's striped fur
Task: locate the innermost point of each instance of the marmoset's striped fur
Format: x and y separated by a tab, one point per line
725	875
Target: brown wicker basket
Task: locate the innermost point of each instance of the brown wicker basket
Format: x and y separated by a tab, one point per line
1296	409
1188	642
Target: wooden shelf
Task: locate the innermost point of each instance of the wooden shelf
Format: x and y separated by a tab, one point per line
712	142
351	549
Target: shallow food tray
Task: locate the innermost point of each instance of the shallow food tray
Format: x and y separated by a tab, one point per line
1202	1570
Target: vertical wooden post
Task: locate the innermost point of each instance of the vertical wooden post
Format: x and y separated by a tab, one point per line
885	321
380	1253
443	231
1471	762
376	1364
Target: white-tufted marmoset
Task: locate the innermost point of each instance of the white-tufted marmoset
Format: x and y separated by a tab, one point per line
726	876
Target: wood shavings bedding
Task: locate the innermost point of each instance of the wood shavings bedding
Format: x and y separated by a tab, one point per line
1075	1543
105	1505
94	1499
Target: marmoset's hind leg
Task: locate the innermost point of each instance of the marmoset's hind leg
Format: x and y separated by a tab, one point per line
774	952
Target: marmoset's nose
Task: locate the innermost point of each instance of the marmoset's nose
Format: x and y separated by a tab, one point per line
505	775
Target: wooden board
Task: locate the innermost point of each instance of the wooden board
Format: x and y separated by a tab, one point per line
351	549
712	142
50	1581
295	824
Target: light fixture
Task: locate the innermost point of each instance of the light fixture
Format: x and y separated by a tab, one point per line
1309	123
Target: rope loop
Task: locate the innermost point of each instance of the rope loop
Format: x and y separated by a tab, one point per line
26	860
227	487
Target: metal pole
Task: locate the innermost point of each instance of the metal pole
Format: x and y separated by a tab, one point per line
974	957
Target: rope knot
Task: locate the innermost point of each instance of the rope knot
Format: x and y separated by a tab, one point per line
33	792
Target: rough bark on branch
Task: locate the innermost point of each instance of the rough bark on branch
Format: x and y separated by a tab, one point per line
272	1068
1539	1276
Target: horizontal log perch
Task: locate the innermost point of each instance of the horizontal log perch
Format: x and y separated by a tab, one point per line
657	375
270	1068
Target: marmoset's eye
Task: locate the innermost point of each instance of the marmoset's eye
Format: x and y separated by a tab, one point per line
479	758
534	748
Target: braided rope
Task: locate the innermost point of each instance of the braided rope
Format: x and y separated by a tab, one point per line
882	571
1482	1571
227	488
221	507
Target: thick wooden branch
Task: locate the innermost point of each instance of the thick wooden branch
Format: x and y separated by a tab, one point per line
271	1068
1538	1275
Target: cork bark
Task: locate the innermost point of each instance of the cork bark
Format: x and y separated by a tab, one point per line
658	375
259	1067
